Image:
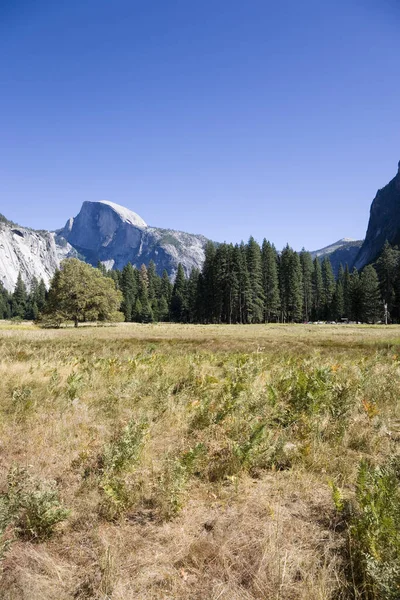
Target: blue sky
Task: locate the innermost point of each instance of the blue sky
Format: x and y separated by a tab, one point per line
223	117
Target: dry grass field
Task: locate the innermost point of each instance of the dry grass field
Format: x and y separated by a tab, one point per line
198	462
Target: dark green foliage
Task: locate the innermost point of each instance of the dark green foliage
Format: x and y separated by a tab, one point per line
291	283
355	296
129	289
270	281
375	531
371	302
387	267
241	284
318	303
30	507
179	299
307	274
19	299
329	287
256	296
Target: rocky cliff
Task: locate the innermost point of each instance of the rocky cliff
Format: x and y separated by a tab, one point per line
31	253
384	222
106	232
102	231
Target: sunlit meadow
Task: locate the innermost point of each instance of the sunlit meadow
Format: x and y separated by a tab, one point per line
199	462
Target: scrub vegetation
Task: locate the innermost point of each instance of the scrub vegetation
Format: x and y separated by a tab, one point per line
200	462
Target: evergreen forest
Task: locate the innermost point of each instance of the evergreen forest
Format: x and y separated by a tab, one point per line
243	283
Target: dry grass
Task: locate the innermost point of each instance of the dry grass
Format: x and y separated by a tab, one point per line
195	460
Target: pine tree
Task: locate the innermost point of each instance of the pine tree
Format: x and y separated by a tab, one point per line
137	311
19	299
387	267
291	285
146	313
307	268
329	284
209	299
3	302
154	283
256	304
338	301
102	268
346	292
165	297
244	289
178	309
192	286
318	291
41	295
269	260
166	287
129	290
371	301
355	296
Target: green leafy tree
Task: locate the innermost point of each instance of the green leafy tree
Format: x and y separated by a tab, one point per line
80	293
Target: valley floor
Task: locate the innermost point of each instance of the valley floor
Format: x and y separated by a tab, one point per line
196	462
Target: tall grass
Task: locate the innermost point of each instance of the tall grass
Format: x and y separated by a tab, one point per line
194	462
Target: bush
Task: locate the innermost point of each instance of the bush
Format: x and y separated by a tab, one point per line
31	507
375	531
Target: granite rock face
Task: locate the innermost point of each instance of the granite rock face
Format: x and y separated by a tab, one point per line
384	222
31	253
106	232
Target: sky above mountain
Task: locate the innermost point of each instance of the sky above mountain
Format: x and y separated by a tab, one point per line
226	118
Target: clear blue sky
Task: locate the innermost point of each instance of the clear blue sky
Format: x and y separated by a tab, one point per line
221	117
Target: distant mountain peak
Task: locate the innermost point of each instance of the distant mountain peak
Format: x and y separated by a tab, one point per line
114	235
336	246
126	214
342	252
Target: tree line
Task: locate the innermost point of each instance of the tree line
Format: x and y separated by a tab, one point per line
242	283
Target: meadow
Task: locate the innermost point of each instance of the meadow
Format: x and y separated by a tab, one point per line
197	462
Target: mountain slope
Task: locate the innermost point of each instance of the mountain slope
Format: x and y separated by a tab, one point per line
32	253
106	232
384	222
343	252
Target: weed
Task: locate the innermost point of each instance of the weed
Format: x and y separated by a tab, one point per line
31	507
375	530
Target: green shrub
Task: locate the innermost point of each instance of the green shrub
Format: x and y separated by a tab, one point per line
120	456
375	531
31	507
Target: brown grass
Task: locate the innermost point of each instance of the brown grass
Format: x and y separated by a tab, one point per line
228	496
